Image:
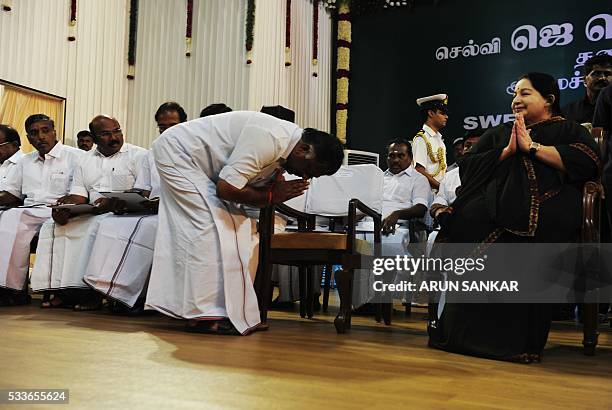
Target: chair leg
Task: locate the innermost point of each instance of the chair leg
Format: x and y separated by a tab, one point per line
328	275
310	291
344	281
590	321
263	289
302	275
387	310
378	312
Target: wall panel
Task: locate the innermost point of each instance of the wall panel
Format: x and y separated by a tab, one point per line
91	72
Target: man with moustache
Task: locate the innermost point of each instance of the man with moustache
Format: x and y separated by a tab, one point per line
427	145
597	76
406	196
39	179
65	243
122	253
85	140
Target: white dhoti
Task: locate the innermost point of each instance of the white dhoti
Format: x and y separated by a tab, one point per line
288	281
431	239
17	228
122	257
363	280
63	253
205	249
287	277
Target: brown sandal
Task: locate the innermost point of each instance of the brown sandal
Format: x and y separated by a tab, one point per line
56	303
212	327
522	358
86	307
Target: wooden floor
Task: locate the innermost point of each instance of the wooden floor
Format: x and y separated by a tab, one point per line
148	362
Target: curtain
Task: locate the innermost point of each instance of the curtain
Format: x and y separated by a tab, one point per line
16	105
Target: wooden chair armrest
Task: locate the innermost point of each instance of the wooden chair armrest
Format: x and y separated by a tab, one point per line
354	205
591	209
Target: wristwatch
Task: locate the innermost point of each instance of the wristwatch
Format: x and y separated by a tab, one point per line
533	148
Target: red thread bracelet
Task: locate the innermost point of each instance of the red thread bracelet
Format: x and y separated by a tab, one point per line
270	195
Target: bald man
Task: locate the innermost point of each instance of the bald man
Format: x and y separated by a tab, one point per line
66	241
122	254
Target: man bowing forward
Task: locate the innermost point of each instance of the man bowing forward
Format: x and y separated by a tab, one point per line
206	247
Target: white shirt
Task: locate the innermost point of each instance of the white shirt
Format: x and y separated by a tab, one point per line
43	181
240	147
447	193
8	164
116	173
404	190
419	151
148	179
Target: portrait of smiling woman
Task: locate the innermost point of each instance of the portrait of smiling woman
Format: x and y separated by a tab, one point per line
540	151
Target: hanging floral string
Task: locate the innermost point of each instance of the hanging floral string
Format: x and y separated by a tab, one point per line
72	24
329	4
250	25
132	39
342	71
189	27
7	5
315	38
288	34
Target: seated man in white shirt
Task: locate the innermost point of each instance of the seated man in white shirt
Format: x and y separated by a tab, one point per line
457	153
406	192
406	196
122	253
65	242
9	151
38	179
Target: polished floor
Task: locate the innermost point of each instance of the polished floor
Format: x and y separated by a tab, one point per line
148	362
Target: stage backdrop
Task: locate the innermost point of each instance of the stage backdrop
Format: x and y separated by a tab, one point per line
473	51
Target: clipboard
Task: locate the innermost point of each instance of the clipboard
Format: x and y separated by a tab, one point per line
134	201
76	209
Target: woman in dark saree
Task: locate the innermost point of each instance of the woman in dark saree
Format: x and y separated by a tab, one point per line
522	182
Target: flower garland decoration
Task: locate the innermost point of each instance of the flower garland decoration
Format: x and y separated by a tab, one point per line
315	38
7	5
396	3
250	25
329	4
132	39
188	28
72	24
288	34
342	70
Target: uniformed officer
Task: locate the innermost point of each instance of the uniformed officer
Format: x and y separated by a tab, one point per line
427	145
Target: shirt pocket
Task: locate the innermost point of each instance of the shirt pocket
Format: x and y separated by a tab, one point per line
122	181
58	183
402	193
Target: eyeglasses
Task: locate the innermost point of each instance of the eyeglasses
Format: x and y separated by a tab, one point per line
600	73
110	133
